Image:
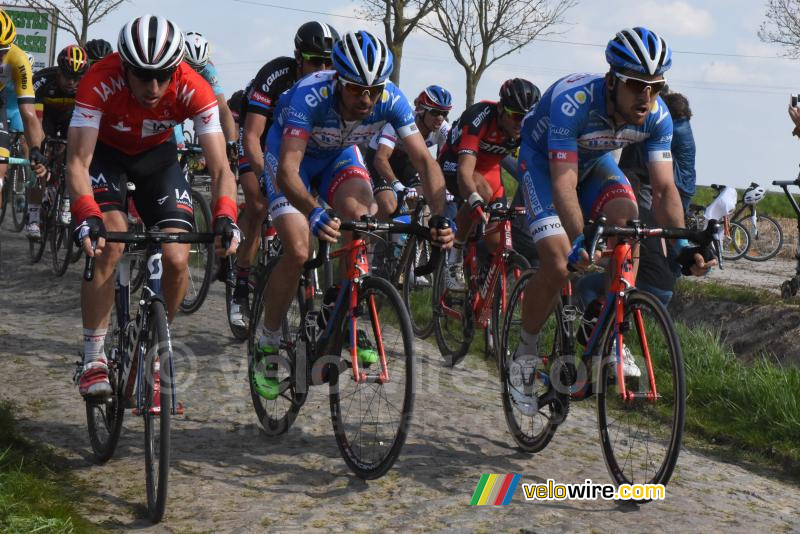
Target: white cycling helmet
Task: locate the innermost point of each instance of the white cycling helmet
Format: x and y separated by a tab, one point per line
754	194
150	42
196	50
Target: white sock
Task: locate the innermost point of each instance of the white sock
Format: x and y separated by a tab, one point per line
456	253
267	336
33	213
528	346
93	344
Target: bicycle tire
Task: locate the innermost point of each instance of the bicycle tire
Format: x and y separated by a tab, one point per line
4	203
241	333
766	239
104	419
667	361
157	425
417	296
19	198
516	264
735	245
453	323
277	415
36	247
60	236
201	258
371	449
533	433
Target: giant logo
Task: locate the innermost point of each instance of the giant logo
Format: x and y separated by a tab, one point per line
272	77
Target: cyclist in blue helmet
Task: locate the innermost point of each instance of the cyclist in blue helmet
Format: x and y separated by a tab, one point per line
387	161
312	147
569	176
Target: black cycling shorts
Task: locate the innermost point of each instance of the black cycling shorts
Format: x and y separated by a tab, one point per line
162	197
401	166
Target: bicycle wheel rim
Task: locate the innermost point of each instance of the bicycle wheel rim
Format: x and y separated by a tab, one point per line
418	293
19	207
277	415
36	248
516	264
453	323
157	425
641	440
60	249
532	433
736	243
201	258
766	237
371	420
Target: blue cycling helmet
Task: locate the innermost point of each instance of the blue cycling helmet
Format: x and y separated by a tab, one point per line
362	58
640	50
435	97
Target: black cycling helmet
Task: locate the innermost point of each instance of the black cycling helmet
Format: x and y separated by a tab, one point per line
519	95
315	38
235	101
98	49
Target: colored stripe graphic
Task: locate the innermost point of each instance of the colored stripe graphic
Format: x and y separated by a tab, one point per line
495	489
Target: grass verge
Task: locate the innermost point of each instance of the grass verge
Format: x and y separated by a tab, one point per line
32	490
730	293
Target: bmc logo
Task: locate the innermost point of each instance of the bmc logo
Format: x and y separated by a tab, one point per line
153	127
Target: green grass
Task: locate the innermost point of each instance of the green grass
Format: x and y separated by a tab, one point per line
739	294
34	496
774	203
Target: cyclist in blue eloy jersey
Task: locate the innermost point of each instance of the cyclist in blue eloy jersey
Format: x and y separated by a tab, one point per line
312	145
197	54
569	174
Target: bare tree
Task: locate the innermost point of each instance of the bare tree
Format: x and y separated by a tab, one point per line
781	25
398	23
480	32
75	16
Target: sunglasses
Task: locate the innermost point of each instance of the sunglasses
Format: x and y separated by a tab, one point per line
317	61
639	86
374	91
437	112
514	114
147	75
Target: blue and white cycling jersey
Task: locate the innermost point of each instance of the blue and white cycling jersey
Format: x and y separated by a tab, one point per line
209	74
570	124
12	109
309	110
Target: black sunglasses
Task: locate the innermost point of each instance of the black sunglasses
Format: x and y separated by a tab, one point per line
317	61
148	75
437	112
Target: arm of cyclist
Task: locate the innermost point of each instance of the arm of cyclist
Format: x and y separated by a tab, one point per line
254	125
85	211
565	200
34	136
467	186
322	225
432	185
668	211
223	189
226	119
381	162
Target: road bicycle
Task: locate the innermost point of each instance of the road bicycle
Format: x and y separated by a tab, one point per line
57	217
736	240
766	235
371	404
15	198
482	303
640	419
790	287
141	368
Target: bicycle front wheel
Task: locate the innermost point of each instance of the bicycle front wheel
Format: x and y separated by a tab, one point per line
515	265
417	290
735	242
201	258
157	409
371	418
46	225
19	199
766	237
641	435
60	238
533	430
453	322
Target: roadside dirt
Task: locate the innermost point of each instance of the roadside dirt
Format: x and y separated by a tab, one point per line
228	476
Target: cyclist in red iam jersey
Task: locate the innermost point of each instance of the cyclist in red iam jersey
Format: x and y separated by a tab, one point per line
485	133
121	130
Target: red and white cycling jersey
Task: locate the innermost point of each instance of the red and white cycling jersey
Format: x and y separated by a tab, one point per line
104	102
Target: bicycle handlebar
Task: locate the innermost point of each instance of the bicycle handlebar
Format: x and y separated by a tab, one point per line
13	161
784	183
190	149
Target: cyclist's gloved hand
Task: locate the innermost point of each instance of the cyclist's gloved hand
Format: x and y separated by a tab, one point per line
578	254
38	161
691	264
229	234
323	225
442	231
91	227
478	206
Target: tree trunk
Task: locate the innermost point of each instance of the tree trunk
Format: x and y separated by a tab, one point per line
397	52
472	85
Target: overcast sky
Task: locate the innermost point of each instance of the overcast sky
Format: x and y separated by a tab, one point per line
740	122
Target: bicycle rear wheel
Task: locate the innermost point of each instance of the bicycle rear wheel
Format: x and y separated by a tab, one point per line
736	242
371	419
641	438
516	264
453	322
104	418
766	237
418	290
46	223
277	415
6	195
533	432
201	258
60	237
19	199
157	409
239	332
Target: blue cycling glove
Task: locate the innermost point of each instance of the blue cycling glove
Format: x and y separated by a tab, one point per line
578	246
317	219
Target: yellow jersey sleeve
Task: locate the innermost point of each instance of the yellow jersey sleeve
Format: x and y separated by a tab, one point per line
17	61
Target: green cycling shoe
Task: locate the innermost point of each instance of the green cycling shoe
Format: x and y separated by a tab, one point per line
267	387
366	353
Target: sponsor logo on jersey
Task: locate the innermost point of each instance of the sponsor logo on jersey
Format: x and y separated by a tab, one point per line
546	229
316	96
162	200
261	98
481	116
120	127
577	99
154	127
272	77
104	90
207	118
185	94
99	181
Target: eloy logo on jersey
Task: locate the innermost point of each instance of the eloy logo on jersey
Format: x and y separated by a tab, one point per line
495	489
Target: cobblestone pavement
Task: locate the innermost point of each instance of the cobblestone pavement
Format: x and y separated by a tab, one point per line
228	476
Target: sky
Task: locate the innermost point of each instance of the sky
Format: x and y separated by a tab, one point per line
741	125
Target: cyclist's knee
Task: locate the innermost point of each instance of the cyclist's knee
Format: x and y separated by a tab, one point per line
175	257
